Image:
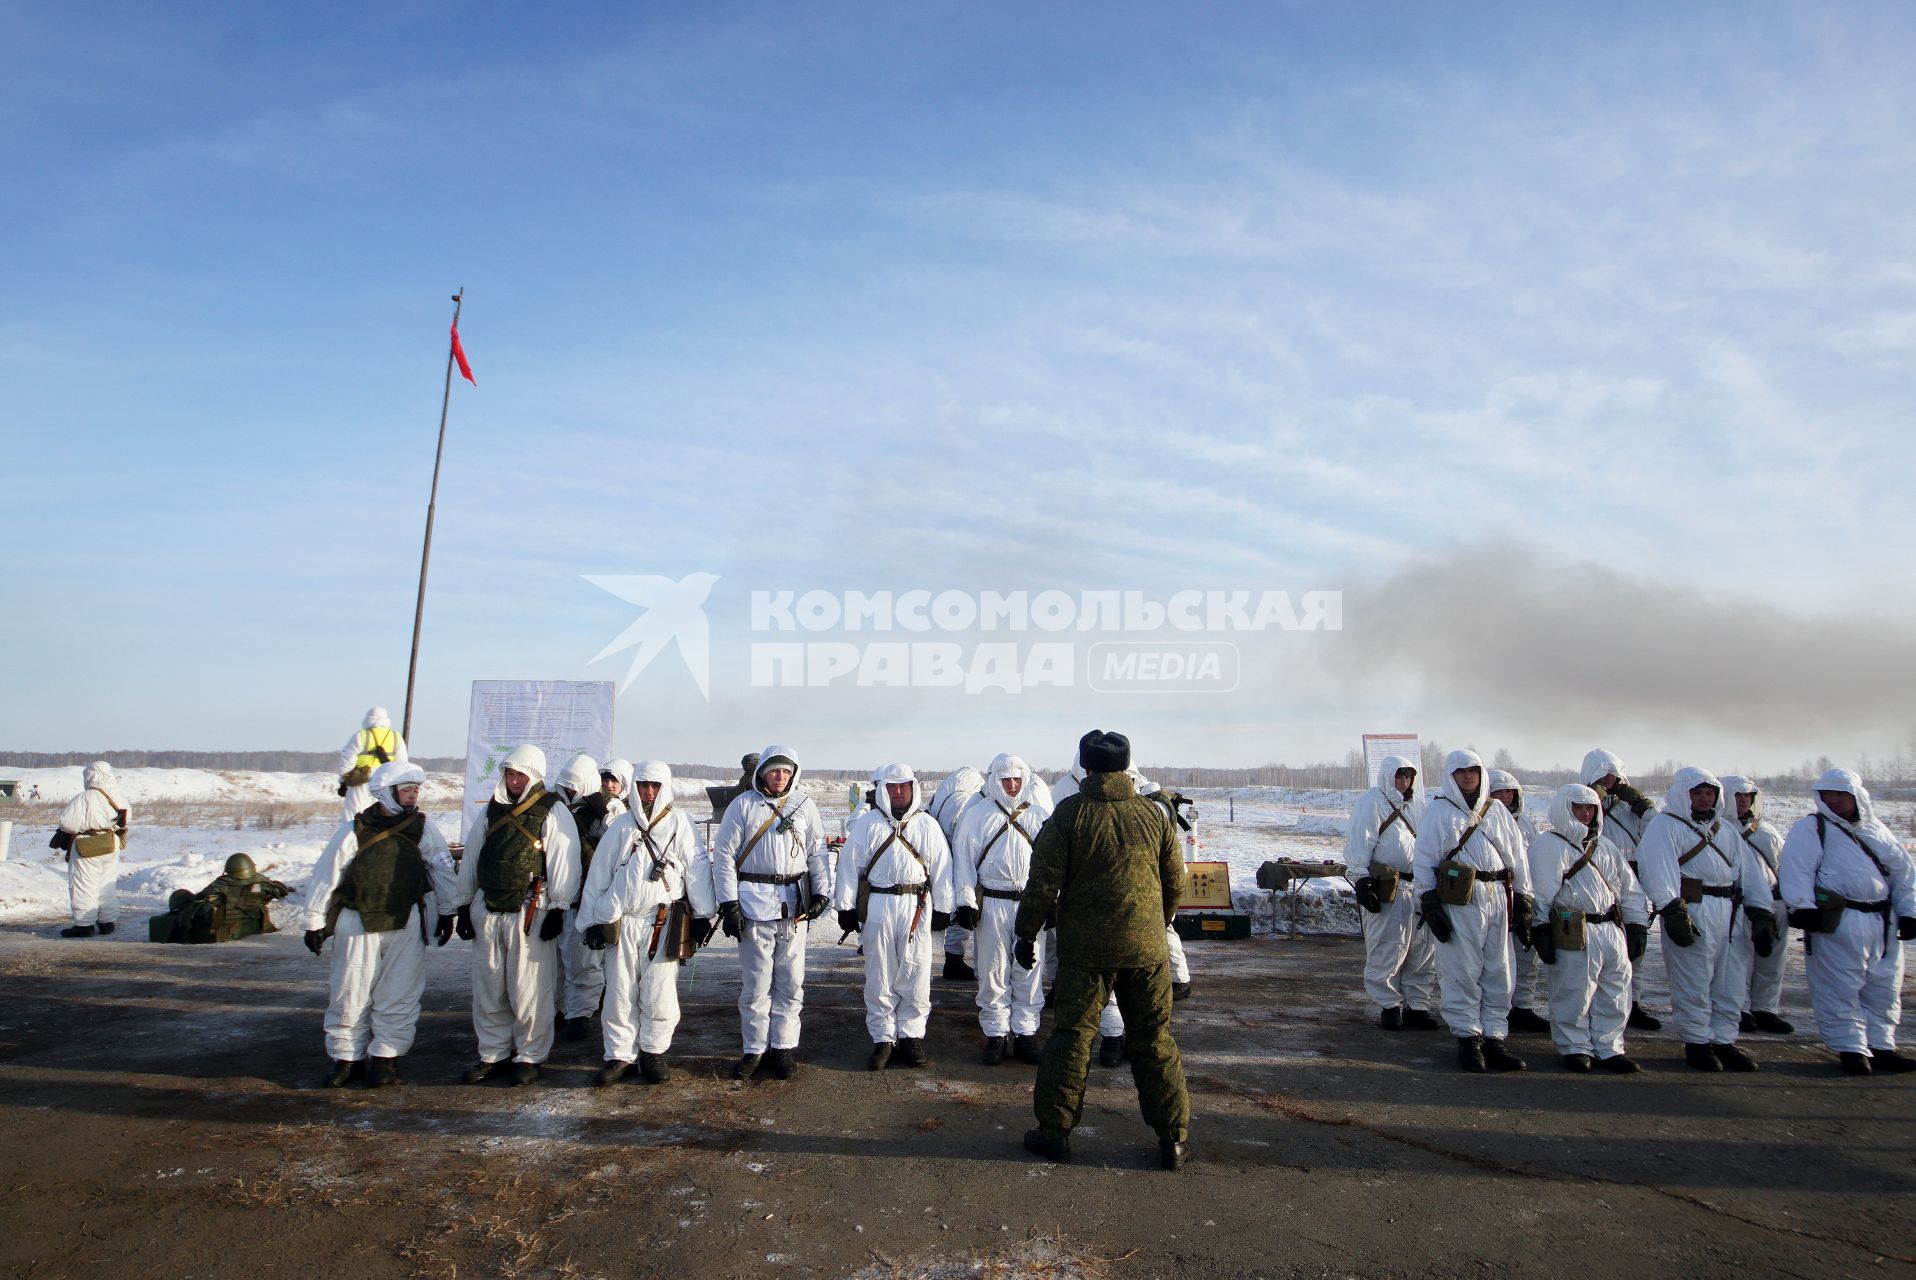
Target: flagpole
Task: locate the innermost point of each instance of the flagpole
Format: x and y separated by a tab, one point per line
432	501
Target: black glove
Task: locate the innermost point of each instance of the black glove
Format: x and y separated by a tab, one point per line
1522	908
464	924
315	939
1906	928
1762	929
702	930
1367	894
965	917
1677	925
442	931
731	919
553	925
1636	941
1025	952
1544	943
1434	917
817	907
1051	917
848	921
940	920
1808	919
595	939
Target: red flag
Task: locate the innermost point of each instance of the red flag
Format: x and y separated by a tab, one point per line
459	354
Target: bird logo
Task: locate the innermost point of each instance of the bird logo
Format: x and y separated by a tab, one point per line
674	611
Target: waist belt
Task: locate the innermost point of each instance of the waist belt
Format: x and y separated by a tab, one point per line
916	890
760	877
1874	908
1494	877
1613	916
1722	891
1010	895
101	831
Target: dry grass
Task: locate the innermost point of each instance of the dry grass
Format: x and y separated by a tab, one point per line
1037	1256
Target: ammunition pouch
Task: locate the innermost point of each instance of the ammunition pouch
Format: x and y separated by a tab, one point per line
1829	906
96	844
1386	878
680	942
1455	880
1677	924
1567	929
357	776
863	905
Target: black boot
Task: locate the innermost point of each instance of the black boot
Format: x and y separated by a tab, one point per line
78	931
381	1072
881	1054
1180	991
1888	1060
1733	1058
1470	1054
106	927
1767	1020
654	1069
612	1072
1619	1065
1641	1019
1745	1023
1577	1062
1701	1057
1027	1049
995	1050
1391	1019
1111	1051
1420	1020
341	1074
1498	1057
783	1067
1056	1150
911	1052
480	1072
957	970
576	1028
1523	1019
746	1066
1855	1064
524	1073
1172	1153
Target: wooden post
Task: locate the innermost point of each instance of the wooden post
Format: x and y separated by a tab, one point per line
432	502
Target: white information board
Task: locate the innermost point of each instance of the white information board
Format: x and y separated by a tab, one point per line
561	717
1379	745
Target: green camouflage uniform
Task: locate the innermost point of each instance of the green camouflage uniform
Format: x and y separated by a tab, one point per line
1108	862
237	906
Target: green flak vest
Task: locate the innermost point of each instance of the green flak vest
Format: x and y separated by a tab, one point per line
387	877
514	851
589	817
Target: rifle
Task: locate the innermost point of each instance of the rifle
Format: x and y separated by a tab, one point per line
532	904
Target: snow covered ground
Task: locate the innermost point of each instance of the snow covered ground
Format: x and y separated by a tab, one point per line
186	822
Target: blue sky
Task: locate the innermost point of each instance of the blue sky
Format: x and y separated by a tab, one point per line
879	297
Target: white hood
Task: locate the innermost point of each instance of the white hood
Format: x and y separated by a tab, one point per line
882	799
765	758
1463	760
376	718
1386	774
646	771
1866	820
529	760
1562	821
1005	766
1600	763
1677	799
389	777
1734	785
580	776
98	776
622	770
961	782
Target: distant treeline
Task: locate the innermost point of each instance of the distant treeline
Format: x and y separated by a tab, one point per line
264	761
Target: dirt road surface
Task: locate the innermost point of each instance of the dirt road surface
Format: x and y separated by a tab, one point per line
162	1117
